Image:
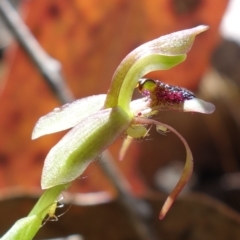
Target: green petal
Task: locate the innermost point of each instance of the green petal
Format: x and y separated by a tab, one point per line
176	43
68	116
86	141
151	56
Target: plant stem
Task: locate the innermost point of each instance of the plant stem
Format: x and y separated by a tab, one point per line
138	210
47	199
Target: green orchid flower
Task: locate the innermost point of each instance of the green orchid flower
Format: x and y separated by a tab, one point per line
97	121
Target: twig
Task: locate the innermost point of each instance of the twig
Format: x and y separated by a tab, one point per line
138	210
49	68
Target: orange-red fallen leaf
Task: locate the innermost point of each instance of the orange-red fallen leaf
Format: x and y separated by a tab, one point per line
89	39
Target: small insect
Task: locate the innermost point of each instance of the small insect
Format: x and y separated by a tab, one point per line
162	129
160	92
51	214
147	113
137	132
52	210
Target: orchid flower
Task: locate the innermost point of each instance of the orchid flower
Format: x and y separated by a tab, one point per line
97	121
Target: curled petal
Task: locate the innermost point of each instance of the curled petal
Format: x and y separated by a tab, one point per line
161	53
68	115
187	171
172	44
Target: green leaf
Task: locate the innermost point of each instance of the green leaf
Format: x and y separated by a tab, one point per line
86	141
68	115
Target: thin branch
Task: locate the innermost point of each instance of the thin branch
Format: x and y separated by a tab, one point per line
138	210
49	68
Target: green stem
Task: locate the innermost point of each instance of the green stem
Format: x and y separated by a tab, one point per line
47	199
26	228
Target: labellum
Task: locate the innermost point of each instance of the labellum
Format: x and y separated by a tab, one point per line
160	92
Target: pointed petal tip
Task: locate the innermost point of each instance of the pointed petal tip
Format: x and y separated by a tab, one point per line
200	29
198	105
161	215
164	211
34	135
37	130
166	207
45	186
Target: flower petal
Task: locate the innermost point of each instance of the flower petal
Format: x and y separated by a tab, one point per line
192	105
198	105
161	53
175	43
86	141
187	171
142	107
67	116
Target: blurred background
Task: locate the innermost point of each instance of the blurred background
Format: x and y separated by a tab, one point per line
89	39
